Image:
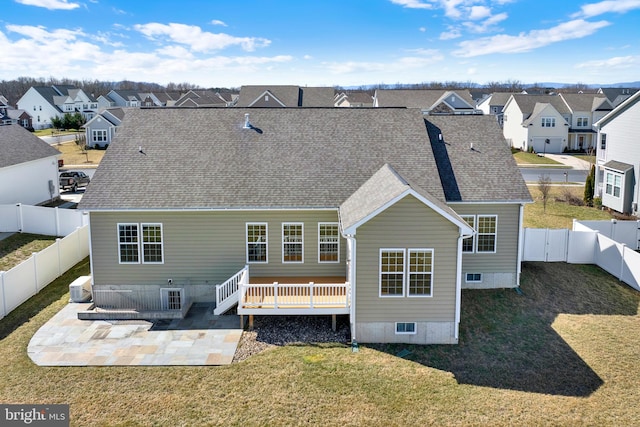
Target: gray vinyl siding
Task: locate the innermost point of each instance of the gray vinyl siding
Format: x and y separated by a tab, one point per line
407	224
207	247
505	259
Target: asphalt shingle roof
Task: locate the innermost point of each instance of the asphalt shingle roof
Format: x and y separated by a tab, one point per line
18	145
416	98
527	103
293	158
290	96
583	101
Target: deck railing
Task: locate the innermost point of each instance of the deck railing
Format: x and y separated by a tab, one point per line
295	296
227	293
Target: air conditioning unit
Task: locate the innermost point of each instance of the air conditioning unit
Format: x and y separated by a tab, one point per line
80	289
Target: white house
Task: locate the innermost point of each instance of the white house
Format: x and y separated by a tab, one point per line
618	157
586	109
45	102
538	122
28	167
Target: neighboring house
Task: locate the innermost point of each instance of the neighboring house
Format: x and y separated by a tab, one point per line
617	95
538	122
201	98
493	105
285	96
101	129
618	157
28	167
585	109
12	116
354	99
430	101
381	214
125	98
45	102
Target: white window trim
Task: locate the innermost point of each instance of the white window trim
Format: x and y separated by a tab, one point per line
301	243
613	175
548	122
404	268
164	298
415	328
337	242
143	243
266	243
473	238
466	278
99	135
408	273
121	243
478	234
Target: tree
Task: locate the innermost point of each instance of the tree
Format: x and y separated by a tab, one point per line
544	185
589	186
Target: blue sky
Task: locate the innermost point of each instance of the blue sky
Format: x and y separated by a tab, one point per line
228	43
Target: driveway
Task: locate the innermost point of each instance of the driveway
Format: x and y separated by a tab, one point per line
199	339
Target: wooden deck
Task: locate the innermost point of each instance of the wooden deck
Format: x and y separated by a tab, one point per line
295	295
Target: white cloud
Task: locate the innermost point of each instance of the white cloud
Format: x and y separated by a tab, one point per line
413	4
218	22
422	29
196	39
616	62
452	33
617	6
525	42
426	58
479	12
50	4
486	25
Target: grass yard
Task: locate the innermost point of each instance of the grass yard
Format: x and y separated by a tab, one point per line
523	157
72	154
559	213
561	353
19	247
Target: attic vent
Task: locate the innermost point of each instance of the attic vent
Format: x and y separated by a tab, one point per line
247	125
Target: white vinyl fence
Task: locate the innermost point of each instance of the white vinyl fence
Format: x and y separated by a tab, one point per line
38	220
29	277
588	243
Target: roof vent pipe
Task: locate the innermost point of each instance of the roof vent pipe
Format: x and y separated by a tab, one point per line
439	137
247	125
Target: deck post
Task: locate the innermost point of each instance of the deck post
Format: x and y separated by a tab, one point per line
333	322
251	322
242	321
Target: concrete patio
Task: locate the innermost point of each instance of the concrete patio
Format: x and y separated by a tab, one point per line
199	339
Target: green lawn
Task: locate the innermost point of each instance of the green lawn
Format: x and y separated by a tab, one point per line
522	157
563	352
19	247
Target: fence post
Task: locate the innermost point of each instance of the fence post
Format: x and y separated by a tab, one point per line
57	243
56	213
20	219
4	297
34	255
622	261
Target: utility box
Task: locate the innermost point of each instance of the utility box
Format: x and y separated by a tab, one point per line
80	289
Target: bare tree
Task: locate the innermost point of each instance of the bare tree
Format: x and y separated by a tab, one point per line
544	186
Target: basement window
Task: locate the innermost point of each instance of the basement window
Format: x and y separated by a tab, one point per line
473	278
405	328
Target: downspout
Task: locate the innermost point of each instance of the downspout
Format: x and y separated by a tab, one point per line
461	237
520	244
351	262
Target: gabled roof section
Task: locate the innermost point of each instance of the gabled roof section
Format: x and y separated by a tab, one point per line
631	101
267	98
538	110
18	145
527	103
48	93
485	172
382	190
286	96
425	99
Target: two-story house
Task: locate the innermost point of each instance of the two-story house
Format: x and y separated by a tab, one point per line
45	102
585	109
494	104
429	101
618	157
536	122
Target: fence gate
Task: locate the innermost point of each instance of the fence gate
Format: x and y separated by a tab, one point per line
557	241
545	245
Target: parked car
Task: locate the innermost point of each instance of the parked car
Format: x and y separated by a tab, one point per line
72	180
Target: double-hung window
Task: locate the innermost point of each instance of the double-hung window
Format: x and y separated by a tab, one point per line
614	184
401	275
603	141
328	242
468	244
292	242
487	233
135	246
257	243
583	121
548	122
99	135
